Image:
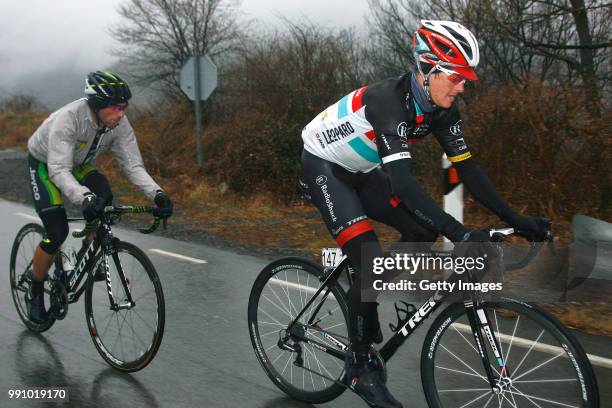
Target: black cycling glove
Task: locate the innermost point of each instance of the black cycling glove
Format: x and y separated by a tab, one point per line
92	206
164	204
536	228
475	243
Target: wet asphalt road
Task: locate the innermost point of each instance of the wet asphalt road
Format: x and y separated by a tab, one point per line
206	358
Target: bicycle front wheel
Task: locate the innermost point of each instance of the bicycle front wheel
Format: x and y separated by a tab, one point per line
126	336
301	370
20	270
541	365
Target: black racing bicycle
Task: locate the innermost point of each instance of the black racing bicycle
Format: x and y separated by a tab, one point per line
124	310
504	353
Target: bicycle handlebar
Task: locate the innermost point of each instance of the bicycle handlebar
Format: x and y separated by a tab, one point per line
119	210
498	235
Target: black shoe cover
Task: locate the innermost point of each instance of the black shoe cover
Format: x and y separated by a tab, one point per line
366	379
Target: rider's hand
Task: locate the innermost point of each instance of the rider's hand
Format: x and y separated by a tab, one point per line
92	206
164	204
536	228
475	243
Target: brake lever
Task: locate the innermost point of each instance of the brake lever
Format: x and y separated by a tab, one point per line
152	228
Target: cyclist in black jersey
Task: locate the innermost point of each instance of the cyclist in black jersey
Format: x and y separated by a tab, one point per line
356	165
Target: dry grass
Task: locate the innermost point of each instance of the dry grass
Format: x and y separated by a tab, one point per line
261	219
15	128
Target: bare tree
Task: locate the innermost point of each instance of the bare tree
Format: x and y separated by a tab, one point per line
158	36
574	34
302	69
390	49
552	40
20	103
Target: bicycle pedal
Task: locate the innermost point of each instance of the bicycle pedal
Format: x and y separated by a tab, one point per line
403	311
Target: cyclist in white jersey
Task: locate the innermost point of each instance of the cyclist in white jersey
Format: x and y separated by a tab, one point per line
356	165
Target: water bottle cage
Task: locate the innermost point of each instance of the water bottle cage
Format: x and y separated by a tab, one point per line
403	312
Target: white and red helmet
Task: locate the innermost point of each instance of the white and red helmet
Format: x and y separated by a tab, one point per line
446	46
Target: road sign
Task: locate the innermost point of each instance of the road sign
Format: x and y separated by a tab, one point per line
198	80
207	78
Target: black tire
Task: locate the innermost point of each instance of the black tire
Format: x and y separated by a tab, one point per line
549	365
20	270
291	277
146	290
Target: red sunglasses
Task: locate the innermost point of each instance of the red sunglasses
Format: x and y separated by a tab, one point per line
456	79
452	76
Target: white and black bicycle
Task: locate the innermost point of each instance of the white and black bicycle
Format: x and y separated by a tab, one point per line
477	353
124	312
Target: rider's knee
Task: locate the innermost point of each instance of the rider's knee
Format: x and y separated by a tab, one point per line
56	230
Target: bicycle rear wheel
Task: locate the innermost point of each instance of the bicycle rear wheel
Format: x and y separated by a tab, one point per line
127	338
280	292
546	366
20	271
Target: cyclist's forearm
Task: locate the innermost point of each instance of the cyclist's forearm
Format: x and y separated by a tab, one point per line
420	204
480	186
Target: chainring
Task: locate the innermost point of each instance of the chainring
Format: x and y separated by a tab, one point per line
59	300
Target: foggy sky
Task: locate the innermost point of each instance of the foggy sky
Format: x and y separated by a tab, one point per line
47	46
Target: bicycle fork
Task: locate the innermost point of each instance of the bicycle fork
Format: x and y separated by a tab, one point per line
479	323
128	302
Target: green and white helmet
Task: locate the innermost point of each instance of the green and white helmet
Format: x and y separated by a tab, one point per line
103	89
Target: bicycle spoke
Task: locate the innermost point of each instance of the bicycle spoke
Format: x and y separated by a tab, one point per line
474	400
319	365
501	347
136	335
509	402
464	363
466	340
545	381
151	328
466	390
282	352
149	293
512	339
288	360
489	400
271	347
270	317
540	365
533	397
310	371
286	310
536	341
272	323
286	290
268	333
459	371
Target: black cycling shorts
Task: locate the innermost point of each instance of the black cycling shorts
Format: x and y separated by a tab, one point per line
348	200
48	199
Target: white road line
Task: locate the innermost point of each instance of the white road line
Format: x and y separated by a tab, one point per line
32	217
178	256
545	348
519	341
